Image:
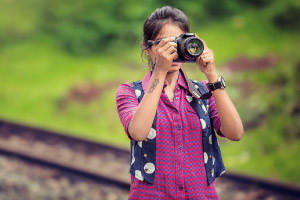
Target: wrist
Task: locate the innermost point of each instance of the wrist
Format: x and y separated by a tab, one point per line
212	78
219	84
160	73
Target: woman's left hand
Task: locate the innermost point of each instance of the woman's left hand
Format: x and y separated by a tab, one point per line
206	63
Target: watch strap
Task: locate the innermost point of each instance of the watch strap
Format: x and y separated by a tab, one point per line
220	84
214	86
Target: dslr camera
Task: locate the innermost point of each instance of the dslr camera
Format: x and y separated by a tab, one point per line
189	47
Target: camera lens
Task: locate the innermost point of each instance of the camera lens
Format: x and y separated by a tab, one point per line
189	47
193	46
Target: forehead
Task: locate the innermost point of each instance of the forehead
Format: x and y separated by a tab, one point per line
169	30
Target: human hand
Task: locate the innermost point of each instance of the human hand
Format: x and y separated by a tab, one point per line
206	63
166	52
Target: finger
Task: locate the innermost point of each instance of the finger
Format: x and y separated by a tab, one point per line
168	45
198	59
165	47
207	51
208	59
174	55
165	41
206	56
201	64
171	49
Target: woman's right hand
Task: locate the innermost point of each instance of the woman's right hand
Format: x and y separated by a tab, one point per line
166	52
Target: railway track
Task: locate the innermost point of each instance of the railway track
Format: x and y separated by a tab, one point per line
109	165
21	179
236	186
88	158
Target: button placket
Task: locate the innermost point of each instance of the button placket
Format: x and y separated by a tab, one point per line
176	100
179	177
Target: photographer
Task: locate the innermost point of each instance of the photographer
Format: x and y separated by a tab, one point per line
171	120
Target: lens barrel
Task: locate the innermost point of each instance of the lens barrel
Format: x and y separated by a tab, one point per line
191	47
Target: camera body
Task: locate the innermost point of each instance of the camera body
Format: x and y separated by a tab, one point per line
189	47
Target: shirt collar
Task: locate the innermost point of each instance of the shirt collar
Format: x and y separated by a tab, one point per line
182	80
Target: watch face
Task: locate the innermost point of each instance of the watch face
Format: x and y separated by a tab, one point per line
223	82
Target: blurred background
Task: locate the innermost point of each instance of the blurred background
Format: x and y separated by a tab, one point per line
61	62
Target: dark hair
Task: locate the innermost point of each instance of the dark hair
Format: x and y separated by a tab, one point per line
158	18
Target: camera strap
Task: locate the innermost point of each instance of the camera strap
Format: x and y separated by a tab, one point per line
194	91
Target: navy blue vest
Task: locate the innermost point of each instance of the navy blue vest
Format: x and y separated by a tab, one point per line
143	153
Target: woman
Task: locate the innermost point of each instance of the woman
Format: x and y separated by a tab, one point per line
174	150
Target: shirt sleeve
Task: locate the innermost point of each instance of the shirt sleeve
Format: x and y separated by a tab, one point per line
127	103
214	114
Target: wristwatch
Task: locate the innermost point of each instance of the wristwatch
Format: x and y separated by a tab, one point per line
220	84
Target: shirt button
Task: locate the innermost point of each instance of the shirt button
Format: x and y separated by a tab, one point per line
199	102
178	146
211	171
208	126
176	98
209	156
145	155
180	188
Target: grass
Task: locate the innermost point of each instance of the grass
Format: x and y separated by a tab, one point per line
36	74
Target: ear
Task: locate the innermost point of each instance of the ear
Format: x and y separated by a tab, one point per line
147	52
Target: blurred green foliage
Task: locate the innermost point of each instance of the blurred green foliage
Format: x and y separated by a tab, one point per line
83	27
49	49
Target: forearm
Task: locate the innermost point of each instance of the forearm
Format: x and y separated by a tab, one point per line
144	115
231	124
